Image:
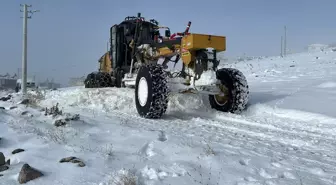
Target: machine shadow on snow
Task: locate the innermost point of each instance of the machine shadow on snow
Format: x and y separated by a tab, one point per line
263	97
4	143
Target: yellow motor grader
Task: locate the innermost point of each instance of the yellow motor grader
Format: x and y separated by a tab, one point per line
139	57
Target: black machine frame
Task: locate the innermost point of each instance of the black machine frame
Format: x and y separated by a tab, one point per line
131	33
124	39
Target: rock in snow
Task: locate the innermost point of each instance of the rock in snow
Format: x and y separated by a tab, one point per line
2	159
3	168
18	151
28	173
73	160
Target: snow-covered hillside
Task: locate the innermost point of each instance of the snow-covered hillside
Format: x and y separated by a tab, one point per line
286	135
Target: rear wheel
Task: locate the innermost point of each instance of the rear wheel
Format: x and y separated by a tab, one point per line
98	80
235	91
90	81
151	91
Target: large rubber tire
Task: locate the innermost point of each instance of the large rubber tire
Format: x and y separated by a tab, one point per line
98	80
89	81
237	89
17	88
151	91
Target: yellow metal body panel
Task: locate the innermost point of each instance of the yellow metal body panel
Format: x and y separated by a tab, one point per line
197	41
187	56
105	63
166	52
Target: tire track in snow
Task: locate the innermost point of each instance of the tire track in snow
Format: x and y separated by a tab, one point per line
269	133
241	142
226	134
255	146
265	128
107	92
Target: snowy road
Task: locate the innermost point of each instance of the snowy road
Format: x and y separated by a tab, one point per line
286	135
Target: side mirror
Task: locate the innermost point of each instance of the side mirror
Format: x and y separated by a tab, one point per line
167	33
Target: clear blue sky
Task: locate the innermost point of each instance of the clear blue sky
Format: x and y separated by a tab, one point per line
68	36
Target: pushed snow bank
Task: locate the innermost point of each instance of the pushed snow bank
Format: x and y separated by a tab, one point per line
105	99
117	99
208	77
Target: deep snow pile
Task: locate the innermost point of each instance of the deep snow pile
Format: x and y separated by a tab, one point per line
286	135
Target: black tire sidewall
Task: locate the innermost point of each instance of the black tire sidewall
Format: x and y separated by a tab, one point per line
98	80
227	82
144	72
228	78
104	80
88	81
119	76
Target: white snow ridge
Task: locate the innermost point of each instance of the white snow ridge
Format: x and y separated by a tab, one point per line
286	135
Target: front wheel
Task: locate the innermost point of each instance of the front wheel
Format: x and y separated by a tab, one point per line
235	91
151	91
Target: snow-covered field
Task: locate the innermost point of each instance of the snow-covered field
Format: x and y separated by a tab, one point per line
286	136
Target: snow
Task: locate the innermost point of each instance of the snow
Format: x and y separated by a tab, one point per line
285	136
207	78
317	47
327	85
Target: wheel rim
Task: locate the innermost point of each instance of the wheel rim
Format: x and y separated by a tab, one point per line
222	99
142	91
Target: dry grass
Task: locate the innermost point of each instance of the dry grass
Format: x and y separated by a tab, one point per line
124	177
209	150
35	97
57	136
54	111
